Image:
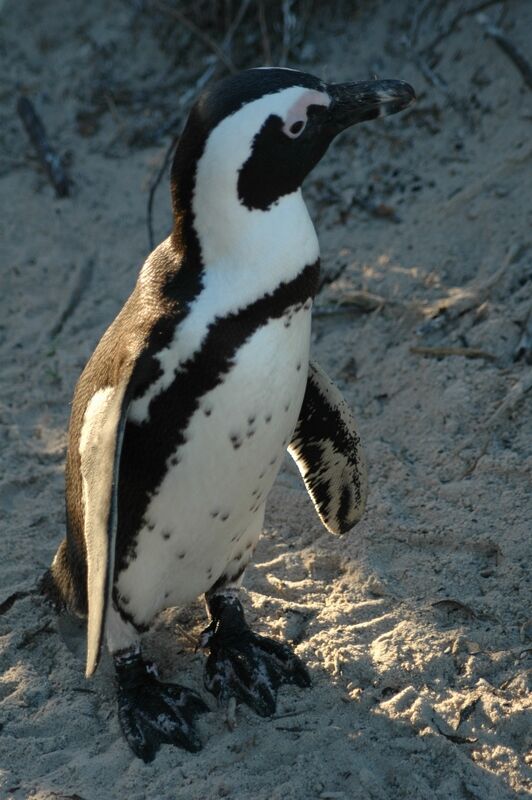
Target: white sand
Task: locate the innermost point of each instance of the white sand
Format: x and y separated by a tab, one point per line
416	625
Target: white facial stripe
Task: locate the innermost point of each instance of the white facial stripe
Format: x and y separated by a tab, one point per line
298	112
227	230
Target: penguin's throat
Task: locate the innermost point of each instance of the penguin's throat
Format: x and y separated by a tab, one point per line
230	236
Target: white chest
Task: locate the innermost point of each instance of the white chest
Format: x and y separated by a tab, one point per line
209	507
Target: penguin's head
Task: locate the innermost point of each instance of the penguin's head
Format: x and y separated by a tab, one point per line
257	134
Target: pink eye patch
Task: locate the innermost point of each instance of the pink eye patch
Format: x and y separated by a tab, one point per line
296	117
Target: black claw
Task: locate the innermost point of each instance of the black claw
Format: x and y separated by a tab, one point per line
246	666
152	713
294	670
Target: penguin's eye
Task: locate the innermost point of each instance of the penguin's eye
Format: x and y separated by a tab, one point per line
296	128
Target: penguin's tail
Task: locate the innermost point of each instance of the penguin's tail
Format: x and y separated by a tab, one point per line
61	586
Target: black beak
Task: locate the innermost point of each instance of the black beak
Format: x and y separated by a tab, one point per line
364	100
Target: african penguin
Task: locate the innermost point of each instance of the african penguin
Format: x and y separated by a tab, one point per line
182	415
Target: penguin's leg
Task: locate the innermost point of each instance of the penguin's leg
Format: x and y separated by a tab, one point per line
151	713
241	664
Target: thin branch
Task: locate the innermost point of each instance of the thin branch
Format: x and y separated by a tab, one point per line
513	161
6	604
417	17
465	352
507	47
49	159
153	188
468	297
77	285
188	636
266	47
193	28
228	38
453	25
288	25
481	439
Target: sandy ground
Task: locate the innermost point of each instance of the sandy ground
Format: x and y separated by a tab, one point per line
416	625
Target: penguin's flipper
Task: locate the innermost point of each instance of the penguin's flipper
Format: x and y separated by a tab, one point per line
327	450
99	447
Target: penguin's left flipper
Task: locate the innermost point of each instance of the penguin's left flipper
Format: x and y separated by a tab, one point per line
326	448
242	664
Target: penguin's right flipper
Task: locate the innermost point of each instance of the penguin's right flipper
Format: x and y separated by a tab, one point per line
326	448
100	443
100	447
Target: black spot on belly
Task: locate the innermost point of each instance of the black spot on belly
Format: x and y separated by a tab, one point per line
262	474
287	406
268	418
166	535
250	433
181	556
209	573
298	366
174	461
151	526
272	462
251	420
214	514
166	595
207	412
224	517
235	441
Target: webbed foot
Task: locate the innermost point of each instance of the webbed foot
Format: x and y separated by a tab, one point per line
242	664
152	713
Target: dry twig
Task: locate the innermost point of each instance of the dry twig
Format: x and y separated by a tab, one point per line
47	156
266	46
466	352
453	25
230	716
288	26
363	301
193	28
516	393
508	47
464	299
6	604
77	285
469	192
154	186
188	636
